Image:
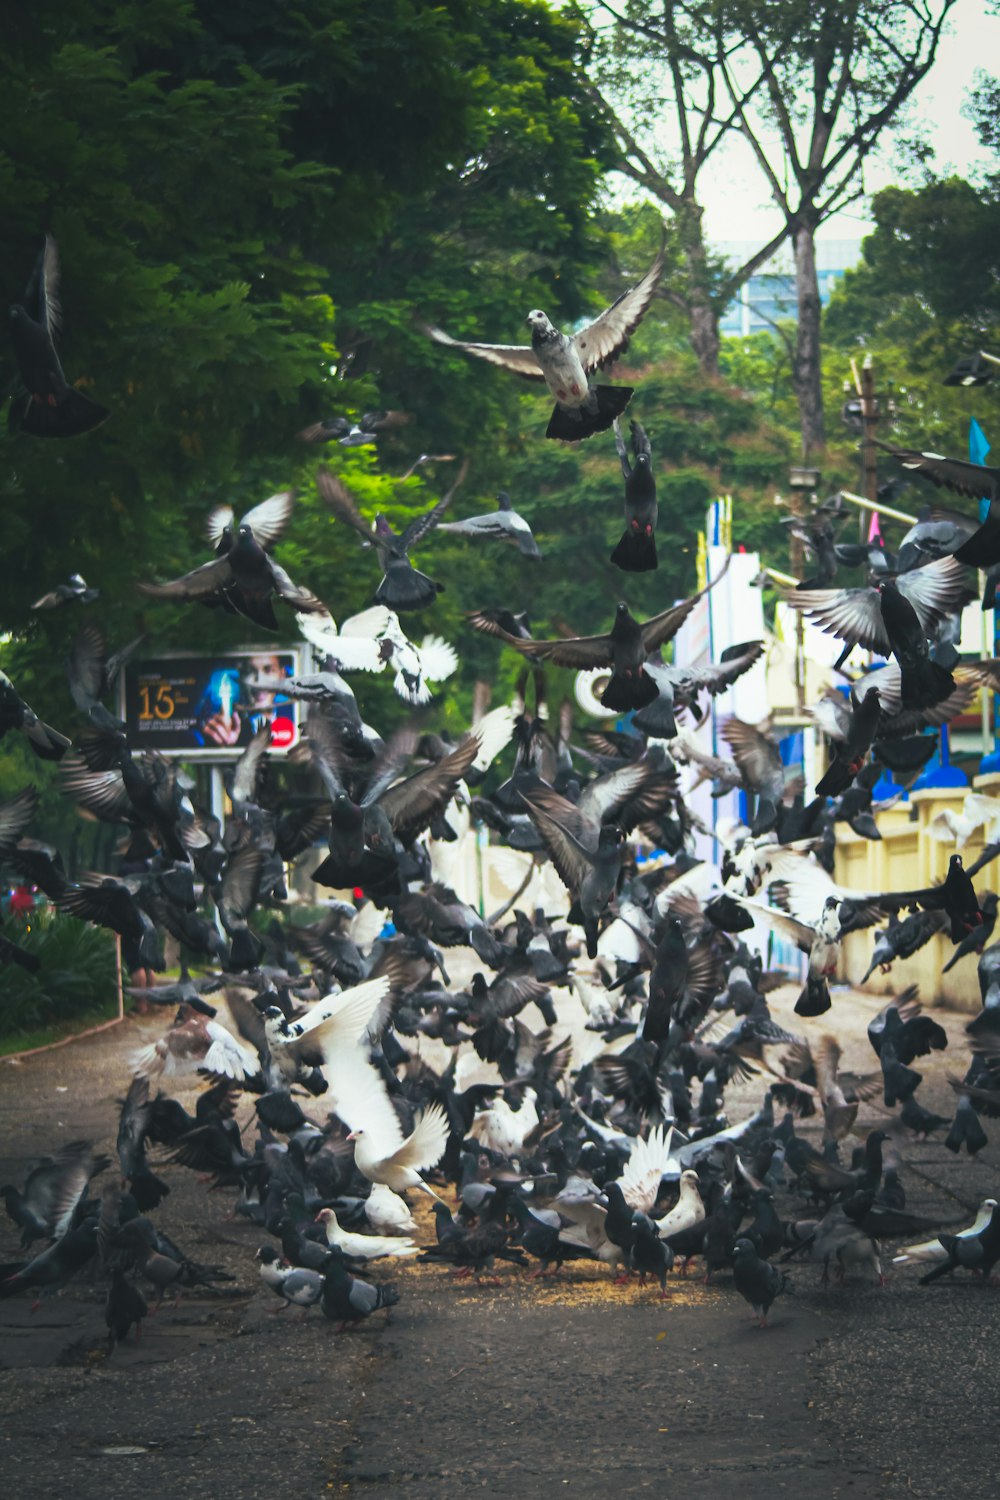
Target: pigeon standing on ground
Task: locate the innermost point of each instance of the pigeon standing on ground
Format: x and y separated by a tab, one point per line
756	1280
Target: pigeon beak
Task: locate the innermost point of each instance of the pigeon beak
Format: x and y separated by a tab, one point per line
353	1135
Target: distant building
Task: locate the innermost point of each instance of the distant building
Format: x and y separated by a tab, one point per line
768	297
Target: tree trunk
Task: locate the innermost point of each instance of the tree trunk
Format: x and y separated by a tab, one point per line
807	372
705	335
702	313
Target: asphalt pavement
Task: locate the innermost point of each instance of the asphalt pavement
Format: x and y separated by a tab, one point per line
524	1389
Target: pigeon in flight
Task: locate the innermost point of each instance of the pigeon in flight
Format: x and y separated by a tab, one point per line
75	591
636	552
402	587
565	362
243	575
624	649
52	407
505	524
895	616
46	742
350	434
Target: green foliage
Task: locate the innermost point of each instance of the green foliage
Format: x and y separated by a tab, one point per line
926	292
78	974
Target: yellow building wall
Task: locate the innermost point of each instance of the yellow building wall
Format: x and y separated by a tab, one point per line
908	858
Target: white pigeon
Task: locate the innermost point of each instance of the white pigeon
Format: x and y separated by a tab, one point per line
380	1151
334	1026
688	1211
369	641
505	1130
362	1246
950	826
932	1251
387	1212
418	666
640	1182
356	646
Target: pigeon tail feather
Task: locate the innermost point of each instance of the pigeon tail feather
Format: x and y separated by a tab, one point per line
572	426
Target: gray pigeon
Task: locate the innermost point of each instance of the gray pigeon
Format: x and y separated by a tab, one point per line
565	362
504	524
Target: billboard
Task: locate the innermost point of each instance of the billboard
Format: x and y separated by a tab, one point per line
210	705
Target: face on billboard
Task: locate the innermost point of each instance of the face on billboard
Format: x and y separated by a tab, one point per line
192	704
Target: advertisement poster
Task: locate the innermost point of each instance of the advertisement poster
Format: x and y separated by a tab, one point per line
210	704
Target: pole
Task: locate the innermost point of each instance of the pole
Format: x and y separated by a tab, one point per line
883	510
869	420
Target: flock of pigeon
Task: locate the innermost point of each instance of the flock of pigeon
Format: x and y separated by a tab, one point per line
603	1138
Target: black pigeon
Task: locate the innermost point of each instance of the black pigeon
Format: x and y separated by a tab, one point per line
590	876
52	407
849	754
756	1280
903	1023
243	576
125	1308
46	742
956	897
624	649
134	1126
93	674
636	552
976	939
895	617
648	1254
402	586
73	592
44	1208
901	939
974	1252
109	903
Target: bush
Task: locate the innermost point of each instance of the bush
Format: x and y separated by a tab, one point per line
78	973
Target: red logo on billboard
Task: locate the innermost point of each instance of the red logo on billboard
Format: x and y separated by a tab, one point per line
283	733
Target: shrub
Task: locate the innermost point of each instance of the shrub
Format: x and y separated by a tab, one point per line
78	973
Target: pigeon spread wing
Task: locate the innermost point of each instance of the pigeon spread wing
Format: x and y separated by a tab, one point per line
663	627
270	518
640	1181
412	805
338	1023
425	1146
975	480
936	590
602	341
567	853
518	358
226	1056
199	583
41	298
340	500
853	615
576	651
